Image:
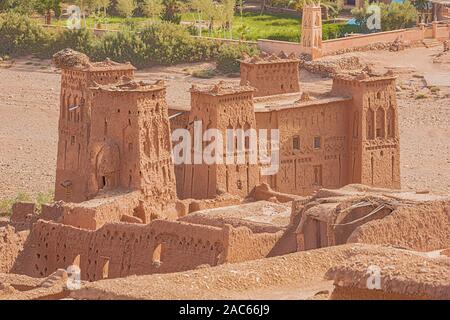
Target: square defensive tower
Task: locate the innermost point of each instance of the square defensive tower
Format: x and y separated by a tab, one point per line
271	74
375	139
223	107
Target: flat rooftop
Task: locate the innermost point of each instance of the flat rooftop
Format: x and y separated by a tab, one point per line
129	85
222	88
261	216
288	101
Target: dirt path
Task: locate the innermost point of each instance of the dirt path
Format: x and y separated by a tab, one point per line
29	99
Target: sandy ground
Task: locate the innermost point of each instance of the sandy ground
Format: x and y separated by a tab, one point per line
301	275
29	99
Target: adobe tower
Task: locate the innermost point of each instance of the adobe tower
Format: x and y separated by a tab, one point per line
374	137
114	137
271	74
311	40
78	74
222	107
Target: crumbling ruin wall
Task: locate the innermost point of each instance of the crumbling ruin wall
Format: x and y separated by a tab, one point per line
52	212
348	221
265	192
332	65
253	226
331	223
120	250
95	213
243	245
423	227
24	214
11	243
192	205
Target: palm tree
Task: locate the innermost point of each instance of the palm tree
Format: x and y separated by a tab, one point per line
46	7
330	7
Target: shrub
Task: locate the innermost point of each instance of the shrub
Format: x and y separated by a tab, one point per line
434	89
81	40
122	46
157	43
7	204
125	8
19	6
20	36
41	198
333	31
204	73
227	61
167	43
420	96
393	16
283	36
398	15
44	198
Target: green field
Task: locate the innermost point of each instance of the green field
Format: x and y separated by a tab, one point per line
265	26
256	26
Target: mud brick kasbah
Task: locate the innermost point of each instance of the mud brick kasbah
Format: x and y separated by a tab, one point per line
124	208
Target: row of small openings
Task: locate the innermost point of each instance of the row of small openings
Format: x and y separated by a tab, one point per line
284	74
100	75
74	73
238	98
74	270
317	143
277	65
290	87
157	106
263	77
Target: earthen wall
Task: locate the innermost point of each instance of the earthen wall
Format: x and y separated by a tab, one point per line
120	250
313	146
424	227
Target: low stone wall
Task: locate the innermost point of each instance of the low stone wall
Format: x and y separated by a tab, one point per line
379	40
275	46
359	41
224	40
442	32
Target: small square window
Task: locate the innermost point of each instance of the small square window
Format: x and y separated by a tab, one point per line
296	143
317	142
